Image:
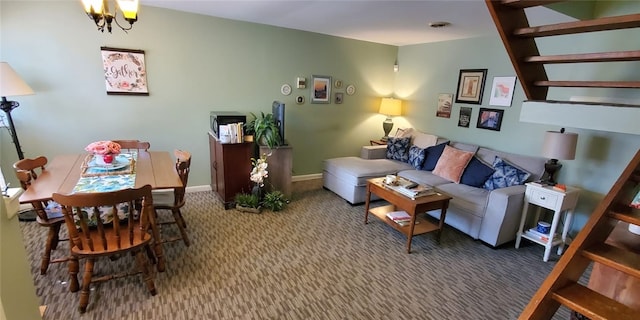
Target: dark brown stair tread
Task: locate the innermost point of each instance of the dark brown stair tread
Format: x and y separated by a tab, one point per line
601	24
528	3
592	304
586	57
614	257
590	84
626	214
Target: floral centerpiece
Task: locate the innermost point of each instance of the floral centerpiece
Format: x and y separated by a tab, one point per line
259	173
104	151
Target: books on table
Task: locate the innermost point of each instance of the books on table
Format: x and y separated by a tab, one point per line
400	217
411	189
534	233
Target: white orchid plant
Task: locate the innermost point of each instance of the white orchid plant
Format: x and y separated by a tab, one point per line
259	171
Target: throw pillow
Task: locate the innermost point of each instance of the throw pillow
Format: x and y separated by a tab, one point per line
432	156
416	157
476	173
506	175
452	163
398	148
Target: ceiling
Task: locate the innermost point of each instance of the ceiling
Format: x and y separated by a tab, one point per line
396	23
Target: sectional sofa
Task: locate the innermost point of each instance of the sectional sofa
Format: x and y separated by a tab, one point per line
487	185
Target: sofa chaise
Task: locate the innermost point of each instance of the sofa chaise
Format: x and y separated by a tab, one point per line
487	203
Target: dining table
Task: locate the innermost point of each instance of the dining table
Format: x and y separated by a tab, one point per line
69	173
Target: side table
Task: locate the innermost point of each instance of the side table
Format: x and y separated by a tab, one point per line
548	198
377	142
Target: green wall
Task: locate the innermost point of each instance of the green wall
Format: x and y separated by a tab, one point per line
195	64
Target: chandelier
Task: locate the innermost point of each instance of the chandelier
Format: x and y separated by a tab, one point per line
98	11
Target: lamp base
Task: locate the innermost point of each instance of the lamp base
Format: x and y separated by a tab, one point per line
550	169
387	125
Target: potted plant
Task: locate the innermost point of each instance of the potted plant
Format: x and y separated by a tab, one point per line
249	128
274	200
248	202
266	131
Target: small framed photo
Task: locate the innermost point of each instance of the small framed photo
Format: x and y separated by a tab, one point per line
338	98
300	99
471	85
444	105
465	117
490	119
321	89
124	71
502	91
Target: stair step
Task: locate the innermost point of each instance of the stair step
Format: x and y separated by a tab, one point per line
626	214
601	24
589	84
614	257
528	3
586	57
592	304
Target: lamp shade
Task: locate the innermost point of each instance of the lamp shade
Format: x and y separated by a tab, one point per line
391	106
560	145
10	82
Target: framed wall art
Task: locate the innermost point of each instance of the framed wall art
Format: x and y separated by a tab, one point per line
444	105
490	119
471	85
502	91
338	98
465	117
125	71
321	89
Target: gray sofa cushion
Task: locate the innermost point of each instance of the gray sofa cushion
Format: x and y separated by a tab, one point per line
356	171
471	199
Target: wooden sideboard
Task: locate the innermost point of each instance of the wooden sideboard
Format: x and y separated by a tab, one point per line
230	169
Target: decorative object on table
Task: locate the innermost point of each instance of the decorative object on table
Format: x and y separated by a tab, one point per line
465	117
557	145
12	85
543	227
125	72
502	91
320	89
285	89
338	98
444	105
350	90
266	130
389	107
104	151
98	11
470	86
490	119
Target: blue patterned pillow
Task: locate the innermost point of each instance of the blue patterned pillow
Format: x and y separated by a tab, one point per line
433	155
476	173
398	148
506	175
416	156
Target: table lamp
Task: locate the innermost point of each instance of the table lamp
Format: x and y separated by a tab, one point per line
12	85
389	107
557	145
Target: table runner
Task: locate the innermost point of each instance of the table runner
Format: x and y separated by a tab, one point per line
95	179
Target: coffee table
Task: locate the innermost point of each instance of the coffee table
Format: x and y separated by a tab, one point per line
414	208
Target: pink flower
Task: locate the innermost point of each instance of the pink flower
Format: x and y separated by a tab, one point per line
103	147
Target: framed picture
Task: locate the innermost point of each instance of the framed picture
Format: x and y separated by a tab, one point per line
338	98
490	119
502	91
320	89
124	71
465	117
470	86
444	105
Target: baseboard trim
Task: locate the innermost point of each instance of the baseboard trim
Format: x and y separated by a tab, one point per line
293	179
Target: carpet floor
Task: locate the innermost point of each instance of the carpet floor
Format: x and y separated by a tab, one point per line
314	260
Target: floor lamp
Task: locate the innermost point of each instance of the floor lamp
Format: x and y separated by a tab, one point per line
12	85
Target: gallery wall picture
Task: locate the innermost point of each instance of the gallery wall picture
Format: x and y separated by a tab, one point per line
502	91
465	117
124	71
444	105
321	89
490	119
470	86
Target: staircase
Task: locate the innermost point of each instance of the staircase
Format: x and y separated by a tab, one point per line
519	40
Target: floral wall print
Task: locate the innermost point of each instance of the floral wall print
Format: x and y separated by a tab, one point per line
124	71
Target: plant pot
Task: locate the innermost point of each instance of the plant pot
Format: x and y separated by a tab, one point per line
248	209
248	138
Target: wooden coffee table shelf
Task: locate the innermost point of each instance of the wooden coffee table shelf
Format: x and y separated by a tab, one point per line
413	207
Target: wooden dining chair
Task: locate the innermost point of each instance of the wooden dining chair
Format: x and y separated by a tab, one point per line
133	144
174	199
48	213
110	237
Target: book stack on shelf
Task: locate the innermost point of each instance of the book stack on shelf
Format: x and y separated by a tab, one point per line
400	217
411	189
533	233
